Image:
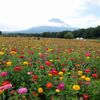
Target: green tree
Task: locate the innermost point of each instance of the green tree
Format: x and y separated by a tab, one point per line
69	35
0	33
89	33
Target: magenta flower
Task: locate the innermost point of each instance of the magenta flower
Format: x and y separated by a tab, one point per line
61	86
22	90
87	54
3	74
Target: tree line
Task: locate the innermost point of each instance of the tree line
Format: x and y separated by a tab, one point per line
92	32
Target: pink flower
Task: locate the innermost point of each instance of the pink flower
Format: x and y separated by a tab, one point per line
8	86
29	73
61	86
5	87
87	83
22	90
3	74
87	54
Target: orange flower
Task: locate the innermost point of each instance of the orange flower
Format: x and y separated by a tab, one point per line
9	63
49	85
1	91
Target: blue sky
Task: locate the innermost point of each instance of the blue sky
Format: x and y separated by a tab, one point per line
21	14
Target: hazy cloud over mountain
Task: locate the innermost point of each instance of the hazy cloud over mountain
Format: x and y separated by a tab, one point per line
56	20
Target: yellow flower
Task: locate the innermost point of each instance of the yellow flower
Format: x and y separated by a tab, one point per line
76	87
9	63
60	78
57	90
25	63
80	72
87	58
1	53
13	52
97	57
83	77
39	53
49	50
50	75
40	90
87	79
51	60
60	73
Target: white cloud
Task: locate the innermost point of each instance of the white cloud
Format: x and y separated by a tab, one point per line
27	13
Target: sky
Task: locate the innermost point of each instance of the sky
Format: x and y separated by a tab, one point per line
23	14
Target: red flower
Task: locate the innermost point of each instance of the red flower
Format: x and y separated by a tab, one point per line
48	63
35	77
85	96
46	48
17	68
94	75
14	50
71	59
63	64
49	85
95	70
41	55
87	71
5	83
63	70
53	72
80	82
21	57
41	67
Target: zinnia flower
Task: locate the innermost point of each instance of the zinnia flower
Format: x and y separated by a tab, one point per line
87	79
17	68
40	90
1	91
87	54
60	73
25	63
85	96
48	63
80	72
9	63
57	90
13	52
41	67
49	85
1	53
5	83
87	71
83	77
94	75
5	87
3	74
22	90
61	86
76	87
35	77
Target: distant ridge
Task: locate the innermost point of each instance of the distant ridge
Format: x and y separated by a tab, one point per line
52	25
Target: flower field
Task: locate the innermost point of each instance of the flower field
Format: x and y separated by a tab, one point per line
49	69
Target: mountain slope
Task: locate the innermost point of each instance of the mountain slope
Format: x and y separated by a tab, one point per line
52	25
40	29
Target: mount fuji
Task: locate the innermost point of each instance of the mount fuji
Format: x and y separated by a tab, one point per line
52	25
